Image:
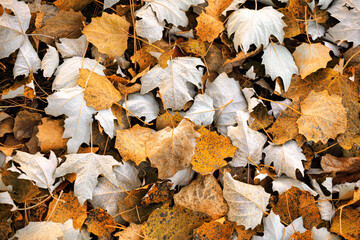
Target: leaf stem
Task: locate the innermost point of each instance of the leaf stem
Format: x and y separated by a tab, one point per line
269	100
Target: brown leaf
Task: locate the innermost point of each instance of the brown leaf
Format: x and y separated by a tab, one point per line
194	46
210	151
100	223
295	203
167	120
76	5
99	92
131	143
109	33
25	123
143	59
132	232
323	117
218	229
6	126
203	195
67	24
172	223
158	193
171	150
331	163
292	27
216	7
349	227
50	134
68	207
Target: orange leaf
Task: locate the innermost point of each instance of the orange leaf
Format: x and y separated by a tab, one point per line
208	28
210	151
215	230
50	134
349	227
100	223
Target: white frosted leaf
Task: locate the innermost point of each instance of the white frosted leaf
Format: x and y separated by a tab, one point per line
202	111
282	184
72	47
279	62
142	106
5	198
106	119
255	27
50	61
172	80
148	26
40	230
109	3
315	30
27	60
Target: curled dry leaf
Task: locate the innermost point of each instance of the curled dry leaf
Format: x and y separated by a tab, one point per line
171	150
203	195
210	151
109	33
322	117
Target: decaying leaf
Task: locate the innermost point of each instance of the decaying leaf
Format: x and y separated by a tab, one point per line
172	223
100	223
171	150
50	134
210	151
203	195
218	229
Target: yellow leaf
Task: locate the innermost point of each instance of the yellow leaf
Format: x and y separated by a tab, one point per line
131	143
210	151
208	27
99	92
109	33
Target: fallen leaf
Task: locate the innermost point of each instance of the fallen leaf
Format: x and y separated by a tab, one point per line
295	203
208	28
331	163
132	232
142	105
318	120
66	208
203	195
202	111
147	25
347	226
143	59
109	33
215	230
87	166
76	5
311	57
100	223
158	193
247	202
25	123
210	151
99	92
72	47
53	141
67	24
168	120
172	223
171	150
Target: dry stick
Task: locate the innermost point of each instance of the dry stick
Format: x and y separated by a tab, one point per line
306	27
350	59
326	148
34	206
57	201
288	106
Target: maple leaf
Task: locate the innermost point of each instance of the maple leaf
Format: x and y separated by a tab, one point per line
172	80
246	202
249	143
264	22
88	167
286	158
147	25
203	195
109	33
210	151
228	99
348	15
279	62
171	150
311	57
173	12
319	121
38	168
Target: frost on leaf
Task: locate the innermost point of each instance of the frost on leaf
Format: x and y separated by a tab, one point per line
142	106
50	61
147	25
347	12
255	27
38	168
247	202
88	167
210	151
249	143
72	47
175	81
171	150
228	99
109	33
202	111
173	11
279	62
323	117
311	57
286	158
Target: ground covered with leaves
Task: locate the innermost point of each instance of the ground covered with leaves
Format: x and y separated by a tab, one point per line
186	119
